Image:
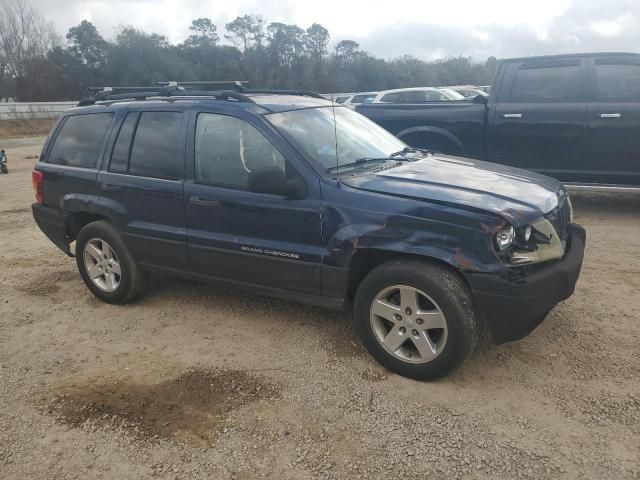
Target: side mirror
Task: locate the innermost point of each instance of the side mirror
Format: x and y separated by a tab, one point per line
480	100
273	180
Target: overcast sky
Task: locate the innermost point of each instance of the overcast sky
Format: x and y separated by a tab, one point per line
426	29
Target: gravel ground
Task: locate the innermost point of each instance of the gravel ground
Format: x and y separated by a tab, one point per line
194	381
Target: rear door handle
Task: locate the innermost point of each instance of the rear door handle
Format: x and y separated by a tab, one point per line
110	187
204	201
610	115
511	115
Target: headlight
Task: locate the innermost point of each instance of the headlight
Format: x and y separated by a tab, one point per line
504	238
527	233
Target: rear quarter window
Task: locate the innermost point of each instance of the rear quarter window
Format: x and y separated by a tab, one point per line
79	140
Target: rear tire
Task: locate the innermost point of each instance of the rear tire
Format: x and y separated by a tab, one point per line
106	265
425	337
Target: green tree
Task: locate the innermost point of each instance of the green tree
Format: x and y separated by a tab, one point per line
87	45
316	41
246	32
205	33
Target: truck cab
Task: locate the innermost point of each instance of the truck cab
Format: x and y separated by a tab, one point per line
572	117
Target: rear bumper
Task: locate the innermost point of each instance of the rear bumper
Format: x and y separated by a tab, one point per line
53	224
512	308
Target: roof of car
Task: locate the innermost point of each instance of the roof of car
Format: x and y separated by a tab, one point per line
410	89
570	55
260	103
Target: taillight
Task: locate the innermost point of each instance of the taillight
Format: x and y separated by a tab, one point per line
36	179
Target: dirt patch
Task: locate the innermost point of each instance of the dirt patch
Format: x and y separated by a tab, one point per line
339	338
372	375
190	406
49	284
25	127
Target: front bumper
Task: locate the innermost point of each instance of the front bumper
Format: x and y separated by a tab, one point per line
512	308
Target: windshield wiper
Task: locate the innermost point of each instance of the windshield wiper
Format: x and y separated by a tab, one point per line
361	161
408	149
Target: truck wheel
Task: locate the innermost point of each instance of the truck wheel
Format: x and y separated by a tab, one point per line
106	266
417	319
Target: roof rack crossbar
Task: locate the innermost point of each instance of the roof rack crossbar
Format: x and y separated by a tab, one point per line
303	93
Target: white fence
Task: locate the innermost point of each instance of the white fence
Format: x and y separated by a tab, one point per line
15	111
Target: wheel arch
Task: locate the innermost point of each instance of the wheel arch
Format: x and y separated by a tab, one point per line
434	132
366	259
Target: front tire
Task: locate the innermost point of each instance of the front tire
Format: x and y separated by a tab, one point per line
106	265
416	318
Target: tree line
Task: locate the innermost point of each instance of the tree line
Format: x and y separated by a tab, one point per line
37	64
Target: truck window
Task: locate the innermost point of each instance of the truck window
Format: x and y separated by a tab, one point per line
120	153
79	140
156	148
553	83
617	82
227	149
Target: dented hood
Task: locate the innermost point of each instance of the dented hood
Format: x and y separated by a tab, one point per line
517	195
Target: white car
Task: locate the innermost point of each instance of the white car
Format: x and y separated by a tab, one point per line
359	98
417	95
468	91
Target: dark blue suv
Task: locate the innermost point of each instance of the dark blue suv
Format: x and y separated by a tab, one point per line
289	195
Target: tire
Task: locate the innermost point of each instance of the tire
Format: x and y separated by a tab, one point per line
129	281
443	300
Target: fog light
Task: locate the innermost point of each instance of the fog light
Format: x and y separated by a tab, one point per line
527	233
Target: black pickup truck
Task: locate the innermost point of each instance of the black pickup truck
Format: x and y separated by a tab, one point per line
572	117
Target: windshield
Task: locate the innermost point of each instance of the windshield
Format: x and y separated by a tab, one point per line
314	132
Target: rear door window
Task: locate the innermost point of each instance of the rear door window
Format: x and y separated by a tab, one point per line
80	140
157	150
120	153
617	82
547	83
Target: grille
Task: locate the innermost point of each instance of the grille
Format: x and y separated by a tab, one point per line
559	218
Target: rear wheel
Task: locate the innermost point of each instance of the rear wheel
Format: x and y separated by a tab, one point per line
416	319
106	265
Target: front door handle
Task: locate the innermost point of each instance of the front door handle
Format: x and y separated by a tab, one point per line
204	202
110	187
511	115
610	115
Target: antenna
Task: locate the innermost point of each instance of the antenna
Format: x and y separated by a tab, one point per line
335	130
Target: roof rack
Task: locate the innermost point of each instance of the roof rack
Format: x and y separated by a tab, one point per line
182	90
302	93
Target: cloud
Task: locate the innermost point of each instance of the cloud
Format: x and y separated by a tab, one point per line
582	28
426	30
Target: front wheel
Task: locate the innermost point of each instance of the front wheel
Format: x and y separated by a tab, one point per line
417	319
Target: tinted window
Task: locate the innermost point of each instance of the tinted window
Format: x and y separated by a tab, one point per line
361	98
341	99
120	154
617	82
391	97
228	149
156	150
79	140
546	84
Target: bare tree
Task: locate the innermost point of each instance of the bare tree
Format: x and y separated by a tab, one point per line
24	35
